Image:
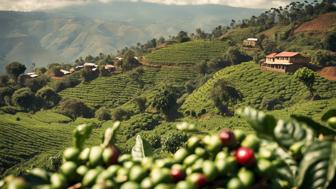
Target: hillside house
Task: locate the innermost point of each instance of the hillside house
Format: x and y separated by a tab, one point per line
31	75
284	62
91	66
250	42
110	68
65	72
79	67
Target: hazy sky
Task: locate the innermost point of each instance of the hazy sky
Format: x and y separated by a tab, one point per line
29	5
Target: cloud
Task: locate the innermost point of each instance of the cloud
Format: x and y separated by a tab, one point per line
235	3
31	5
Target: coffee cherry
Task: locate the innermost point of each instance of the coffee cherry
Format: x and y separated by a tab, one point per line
245	156
227	137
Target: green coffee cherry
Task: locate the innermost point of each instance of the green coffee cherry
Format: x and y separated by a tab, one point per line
130	185
84	155
235	183
332	122
147	183
96	156
18	183
69	169
71	154
161	175
180	155
58	181
185	185
251	141
209	169
246	177
90	177
82	170
137	173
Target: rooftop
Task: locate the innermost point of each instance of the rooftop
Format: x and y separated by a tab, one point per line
282	54
252	39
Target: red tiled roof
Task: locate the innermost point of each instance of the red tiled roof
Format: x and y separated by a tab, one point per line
282	54
287	54
271	55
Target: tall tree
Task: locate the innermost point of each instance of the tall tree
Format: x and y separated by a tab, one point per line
15	69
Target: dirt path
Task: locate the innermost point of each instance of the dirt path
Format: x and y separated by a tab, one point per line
145	62
328	73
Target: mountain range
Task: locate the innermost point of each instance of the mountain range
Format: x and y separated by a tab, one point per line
64	34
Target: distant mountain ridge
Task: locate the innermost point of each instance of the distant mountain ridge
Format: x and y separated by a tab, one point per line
62	35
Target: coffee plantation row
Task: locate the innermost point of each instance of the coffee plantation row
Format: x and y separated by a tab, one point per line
187	53
120	88
298	153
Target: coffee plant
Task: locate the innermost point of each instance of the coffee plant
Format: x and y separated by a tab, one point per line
298	153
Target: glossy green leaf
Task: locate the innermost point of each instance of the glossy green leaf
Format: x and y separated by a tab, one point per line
109	134
318	166
317	127
330	113
81	133
287	133
262	123
289	160
138	151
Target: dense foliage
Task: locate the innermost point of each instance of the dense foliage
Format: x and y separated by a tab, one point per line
284	154
74	108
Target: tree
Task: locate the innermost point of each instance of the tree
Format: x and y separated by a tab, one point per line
103	114
119	114
307	76
15	69
34	83
48	97
223	95
5	93
4	79
129	61
268	46
55	69
75	108
323	58
182	37
88	74
24	98
329	42
165	101
202	68
234	56
173	141
41	70
200	34
141	103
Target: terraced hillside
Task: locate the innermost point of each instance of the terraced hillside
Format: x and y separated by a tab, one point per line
258	88
25	136
29	140
187	53
118	89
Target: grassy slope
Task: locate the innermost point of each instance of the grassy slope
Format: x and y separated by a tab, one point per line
256	87
31	141
187	53
21	140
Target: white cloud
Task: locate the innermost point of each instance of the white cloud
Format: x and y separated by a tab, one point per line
29	5
235	3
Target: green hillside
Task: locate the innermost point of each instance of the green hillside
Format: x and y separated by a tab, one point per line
27	140
23	136
257	88
187	53
118	89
